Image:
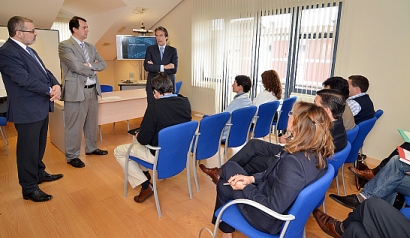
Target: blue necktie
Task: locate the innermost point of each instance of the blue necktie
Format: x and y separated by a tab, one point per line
161	49
30	51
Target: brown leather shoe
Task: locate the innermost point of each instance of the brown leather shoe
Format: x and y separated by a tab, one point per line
366	173
326	223
144	194
213	173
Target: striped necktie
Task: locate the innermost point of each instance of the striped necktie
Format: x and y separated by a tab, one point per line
30	51
87	58
161	49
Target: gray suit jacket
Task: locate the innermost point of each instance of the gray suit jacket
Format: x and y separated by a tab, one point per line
75	73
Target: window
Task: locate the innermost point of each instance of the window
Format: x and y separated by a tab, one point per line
248	37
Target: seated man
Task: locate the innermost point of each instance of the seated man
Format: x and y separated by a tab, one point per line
370	173
393	178
168	109
360	102
340	84
373	218
257	155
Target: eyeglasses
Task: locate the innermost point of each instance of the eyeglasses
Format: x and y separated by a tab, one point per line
32	31
290	113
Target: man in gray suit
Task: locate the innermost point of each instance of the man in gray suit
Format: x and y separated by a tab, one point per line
80	62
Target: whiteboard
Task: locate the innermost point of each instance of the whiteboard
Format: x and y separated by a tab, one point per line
46	46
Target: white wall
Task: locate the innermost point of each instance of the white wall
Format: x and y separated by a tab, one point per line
374	41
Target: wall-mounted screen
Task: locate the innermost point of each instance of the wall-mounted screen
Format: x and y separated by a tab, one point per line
133	47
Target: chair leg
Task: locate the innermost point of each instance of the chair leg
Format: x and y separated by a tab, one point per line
194	165
343	179
188	173
5	140
337	185
154	177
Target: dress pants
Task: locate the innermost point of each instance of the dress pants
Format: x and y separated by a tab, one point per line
31	144
225	193
257	155
376	218
79	116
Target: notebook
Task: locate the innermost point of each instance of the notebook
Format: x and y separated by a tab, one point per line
404	155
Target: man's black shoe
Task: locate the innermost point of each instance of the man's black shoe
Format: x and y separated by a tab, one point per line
50	177
98	152
77	163
350	201
38	196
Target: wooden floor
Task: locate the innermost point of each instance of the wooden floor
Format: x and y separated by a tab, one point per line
89	202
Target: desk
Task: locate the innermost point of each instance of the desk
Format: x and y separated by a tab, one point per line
112	107
130	86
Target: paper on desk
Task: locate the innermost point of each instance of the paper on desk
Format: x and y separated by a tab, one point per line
111	98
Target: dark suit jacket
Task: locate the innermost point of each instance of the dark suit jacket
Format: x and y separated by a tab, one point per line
27	84
153	54
278	187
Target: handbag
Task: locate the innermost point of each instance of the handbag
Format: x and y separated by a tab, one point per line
360	165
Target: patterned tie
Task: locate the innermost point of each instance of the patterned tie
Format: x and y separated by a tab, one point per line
87	58
30	51
161	49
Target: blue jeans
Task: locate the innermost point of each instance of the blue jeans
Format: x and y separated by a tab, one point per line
391	179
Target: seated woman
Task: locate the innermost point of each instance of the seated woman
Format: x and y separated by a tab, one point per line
273	88
303	162
241	86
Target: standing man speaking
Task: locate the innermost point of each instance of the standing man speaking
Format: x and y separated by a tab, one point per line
31	91
80	63
160	58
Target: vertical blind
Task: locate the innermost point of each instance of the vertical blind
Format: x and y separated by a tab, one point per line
297	38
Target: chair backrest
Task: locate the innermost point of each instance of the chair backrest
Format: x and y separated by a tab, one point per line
106	88
287	105
178	86
241	120
352	133
378	113
266	112
338	159
209	139
364	128
175	142
3	121
306	201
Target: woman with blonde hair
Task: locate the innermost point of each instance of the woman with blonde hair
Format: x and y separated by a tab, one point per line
302	162
273	88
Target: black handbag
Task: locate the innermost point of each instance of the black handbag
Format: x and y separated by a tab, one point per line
360	165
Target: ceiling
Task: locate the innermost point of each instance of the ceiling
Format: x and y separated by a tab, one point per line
105	18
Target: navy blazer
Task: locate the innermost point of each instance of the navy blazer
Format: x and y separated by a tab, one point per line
278	187
153	54
27	84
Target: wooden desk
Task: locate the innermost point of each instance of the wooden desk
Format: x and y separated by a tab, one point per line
112	107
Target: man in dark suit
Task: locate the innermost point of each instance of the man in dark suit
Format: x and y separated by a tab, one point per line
31	90
80	62
160	58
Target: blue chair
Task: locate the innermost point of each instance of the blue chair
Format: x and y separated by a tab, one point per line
364	128
105	88
352	133
3	123
406	210
263	124
208	139
297	216
378	113
337	160
178	87
238	128
283	118
171	156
